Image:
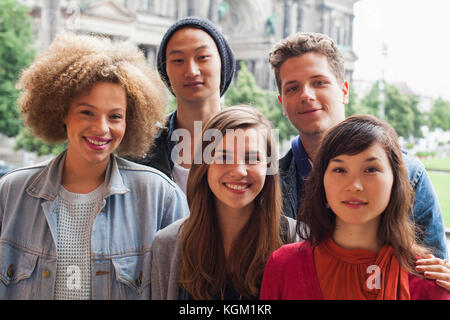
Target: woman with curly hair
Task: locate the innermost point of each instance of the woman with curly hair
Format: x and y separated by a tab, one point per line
235	221
81	226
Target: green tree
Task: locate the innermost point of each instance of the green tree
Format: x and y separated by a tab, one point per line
352	106
440	115
26	141
419	117
246	91
16	52
401	111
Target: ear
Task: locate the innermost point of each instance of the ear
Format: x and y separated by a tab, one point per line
345	92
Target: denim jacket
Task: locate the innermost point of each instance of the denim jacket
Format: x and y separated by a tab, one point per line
426	212
138	202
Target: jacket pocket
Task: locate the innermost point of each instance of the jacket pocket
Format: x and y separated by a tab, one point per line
133	275
16	269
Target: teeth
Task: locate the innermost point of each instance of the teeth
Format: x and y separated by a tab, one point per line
354	202
97	143
236	186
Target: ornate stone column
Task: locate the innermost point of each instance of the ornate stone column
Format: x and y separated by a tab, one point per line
213	11
191	8
287	17
49	21
300	11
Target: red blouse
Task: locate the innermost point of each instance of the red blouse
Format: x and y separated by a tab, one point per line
290	274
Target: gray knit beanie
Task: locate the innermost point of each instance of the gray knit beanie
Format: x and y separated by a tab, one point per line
226	53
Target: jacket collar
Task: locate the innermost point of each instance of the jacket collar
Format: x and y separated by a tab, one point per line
48	182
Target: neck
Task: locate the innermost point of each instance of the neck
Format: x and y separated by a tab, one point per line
311	143
231	222
189	112
350	236
81	177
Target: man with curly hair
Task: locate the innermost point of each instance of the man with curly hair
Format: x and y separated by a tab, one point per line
197	65
81	225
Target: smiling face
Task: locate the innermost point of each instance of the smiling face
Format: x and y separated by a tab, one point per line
193	65
96	124
238	170
358	187
311	96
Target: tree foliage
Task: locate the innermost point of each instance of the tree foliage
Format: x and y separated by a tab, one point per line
401	111
25	140
440	115
16	53
246	91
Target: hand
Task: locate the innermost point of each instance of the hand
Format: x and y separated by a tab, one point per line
435	268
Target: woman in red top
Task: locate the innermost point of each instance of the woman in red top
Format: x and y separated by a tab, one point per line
360	242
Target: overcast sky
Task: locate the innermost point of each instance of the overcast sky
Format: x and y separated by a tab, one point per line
417	35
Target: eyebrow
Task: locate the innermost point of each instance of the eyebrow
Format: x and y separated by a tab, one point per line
313	77
84	104
231	152
367	160
205	46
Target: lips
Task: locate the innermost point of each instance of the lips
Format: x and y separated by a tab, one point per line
355	203
237	187
97	143
307	111
193	84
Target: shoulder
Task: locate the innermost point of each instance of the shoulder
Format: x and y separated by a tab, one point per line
285	161
143	173
425	289
288	229
23	176
288	254
169	234
414	168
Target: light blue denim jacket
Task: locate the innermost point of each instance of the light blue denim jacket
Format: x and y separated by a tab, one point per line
138	202
426	212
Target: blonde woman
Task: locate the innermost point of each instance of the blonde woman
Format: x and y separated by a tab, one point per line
235	221
81	226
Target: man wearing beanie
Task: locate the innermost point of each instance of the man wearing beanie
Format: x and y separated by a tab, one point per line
197	65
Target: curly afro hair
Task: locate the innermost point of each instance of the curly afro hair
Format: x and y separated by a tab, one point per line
71	66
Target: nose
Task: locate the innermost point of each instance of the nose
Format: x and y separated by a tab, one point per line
100	127
192	69
307	94
354	184
239	170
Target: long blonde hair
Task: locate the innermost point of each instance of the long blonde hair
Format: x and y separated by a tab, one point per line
204	270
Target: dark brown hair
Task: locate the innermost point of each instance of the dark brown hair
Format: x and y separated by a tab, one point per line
204	269
354	135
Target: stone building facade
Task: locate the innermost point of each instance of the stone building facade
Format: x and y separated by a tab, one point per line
251	26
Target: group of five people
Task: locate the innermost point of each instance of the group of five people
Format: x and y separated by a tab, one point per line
85	225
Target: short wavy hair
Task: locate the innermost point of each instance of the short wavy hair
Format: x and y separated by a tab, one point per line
300	43
73	64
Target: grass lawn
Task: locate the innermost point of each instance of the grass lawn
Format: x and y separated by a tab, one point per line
441	184
437	164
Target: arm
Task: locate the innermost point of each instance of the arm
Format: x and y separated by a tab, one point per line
427	213
175	207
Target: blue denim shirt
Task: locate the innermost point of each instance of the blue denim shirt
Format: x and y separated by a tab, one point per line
426	212
139	201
